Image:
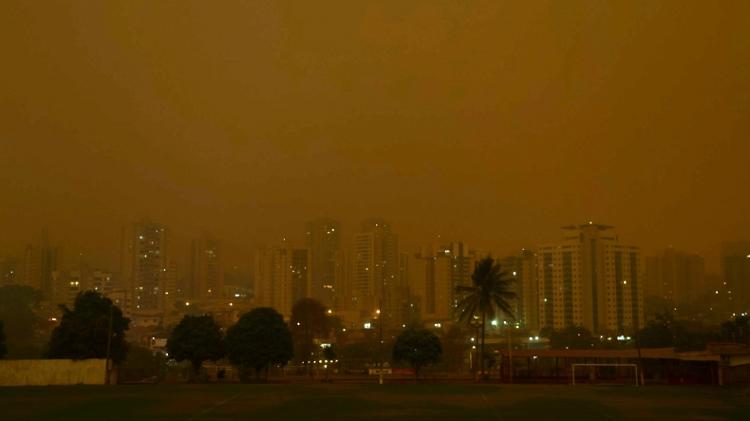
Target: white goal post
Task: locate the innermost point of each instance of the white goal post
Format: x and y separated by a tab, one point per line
573	370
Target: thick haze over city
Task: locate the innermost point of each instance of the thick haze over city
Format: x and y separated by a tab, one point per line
491	122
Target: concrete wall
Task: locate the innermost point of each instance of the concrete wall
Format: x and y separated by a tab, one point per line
52	372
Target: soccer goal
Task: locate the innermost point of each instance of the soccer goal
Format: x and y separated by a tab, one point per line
595	366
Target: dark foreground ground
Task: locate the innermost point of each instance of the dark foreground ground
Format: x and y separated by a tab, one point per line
368	401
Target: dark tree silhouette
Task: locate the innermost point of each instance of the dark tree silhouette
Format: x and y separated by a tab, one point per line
737	330
572	337
489	293
83	331
17	310
660	332
418	347
196	339
309	321
142	365
260	338
3	349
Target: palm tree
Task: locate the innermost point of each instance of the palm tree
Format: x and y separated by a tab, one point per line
489	293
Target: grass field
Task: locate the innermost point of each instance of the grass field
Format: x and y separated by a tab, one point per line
368	401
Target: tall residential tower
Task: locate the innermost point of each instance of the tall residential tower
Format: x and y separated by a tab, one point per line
206	270
590	280
324	256
144	267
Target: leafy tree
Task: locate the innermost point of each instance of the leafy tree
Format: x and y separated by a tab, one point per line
354	354
3	349
574	337
684	335
18	305
142	364
83	331
418	347
260	338
737	330
309	321
196	339
660	332
489	293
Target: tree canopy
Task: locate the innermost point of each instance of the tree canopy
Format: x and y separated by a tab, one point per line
737	330
260	338
418	347
196	339
83	331
659	332
18	305
142	365
573	337
309	321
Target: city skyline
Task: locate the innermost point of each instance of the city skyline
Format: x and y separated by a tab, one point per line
240	254
587	278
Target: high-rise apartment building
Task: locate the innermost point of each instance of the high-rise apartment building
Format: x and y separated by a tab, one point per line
279	271
206	279
301	275
430	282
323	237
735	267
144	265
463	261
434	273
590	280
675	276
101	281
522	269
40	261
375	283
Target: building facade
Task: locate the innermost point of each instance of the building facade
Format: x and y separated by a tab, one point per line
40	261
675	276
323	237
590	280
434	273
375	283
522	269
144	266
279	271
735	268
206	279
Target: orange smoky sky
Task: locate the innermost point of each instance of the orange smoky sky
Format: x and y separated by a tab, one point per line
493	122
